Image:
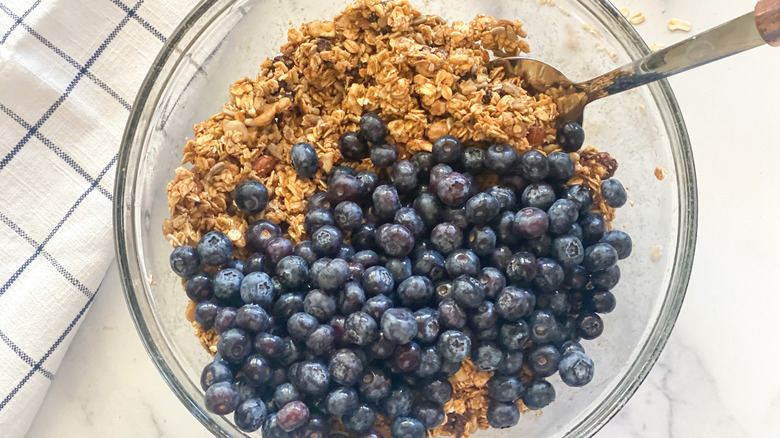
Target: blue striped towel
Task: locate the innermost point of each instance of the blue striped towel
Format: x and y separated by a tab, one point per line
69	71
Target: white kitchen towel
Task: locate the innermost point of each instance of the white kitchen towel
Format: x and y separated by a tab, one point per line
69	72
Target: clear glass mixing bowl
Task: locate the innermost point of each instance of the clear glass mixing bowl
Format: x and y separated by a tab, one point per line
221	41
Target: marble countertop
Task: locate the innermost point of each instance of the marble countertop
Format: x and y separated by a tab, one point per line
718	375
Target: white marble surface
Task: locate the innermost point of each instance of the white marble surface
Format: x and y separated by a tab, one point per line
718	376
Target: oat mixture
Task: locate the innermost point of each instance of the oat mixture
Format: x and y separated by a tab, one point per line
425	77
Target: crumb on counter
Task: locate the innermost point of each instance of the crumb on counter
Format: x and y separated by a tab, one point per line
679	24
660	173
655	253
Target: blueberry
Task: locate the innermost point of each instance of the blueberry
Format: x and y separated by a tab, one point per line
514	303
454	189
318	218
301	325
427	320
222	398
353	146
286	393
346	252
385	201
333	275
511	363
361	419
538	395
287	305
399	402
429	208
600	301
556	302
277	249
501	158
570	346
576	368
482	208
581	197
575	231
377	280
341	401
368	180
292	353
185	261
619	240
361	329
344	187
462	262
374	385
348	215
250	414
395	240
430	362
606	279
377	306
373	128
522	268
321	340
568	251
406	358
429	264
215	372
409	218
531	222
399	325
415	291
313	378
534	166
502	415
234	345
472	160
271	429
315	269
505	388
338	171
199	288
456	216
256	369
366	258
327	240
292	416
317	200
613	192
404	175
380	349
570	136
399	268
406	427
454	346
270	346
500	257
257	288
351	298
468	292
599	257
383	155
492	280
424	162
484	316
549	274
589	325
345	367
304	159
206	313
259	233
252	318
504	226
561	167
514	335
428	413
539	246
214	249
292	272
451	315
256	262
593	228
486	357
225	319
339	332
544	359
575	278
316	427
539	195
446	237
544	327
563	214
482	240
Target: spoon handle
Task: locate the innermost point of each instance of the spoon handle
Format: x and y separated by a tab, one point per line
746	32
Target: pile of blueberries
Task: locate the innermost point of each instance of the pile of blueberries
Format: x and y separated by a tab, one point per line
404	277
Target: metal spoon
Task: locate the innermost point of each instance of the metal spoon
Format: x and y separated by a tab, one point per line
762	26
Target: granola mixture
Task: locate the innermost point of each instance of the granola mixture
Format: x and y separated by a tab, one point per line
425	77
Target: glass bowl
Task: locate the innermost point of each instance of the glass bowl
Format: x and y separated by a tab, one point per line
221	41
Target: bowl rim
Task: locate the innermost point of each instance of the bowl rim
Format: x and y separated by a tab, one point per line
609	16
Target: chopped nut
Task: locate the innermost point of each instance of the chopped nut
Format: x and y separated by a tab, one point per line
679	24
659	173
